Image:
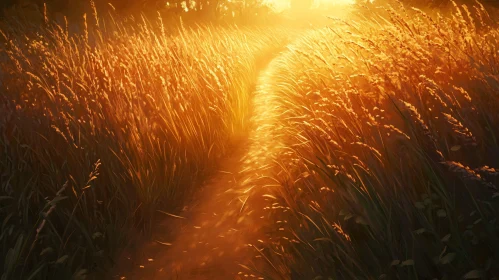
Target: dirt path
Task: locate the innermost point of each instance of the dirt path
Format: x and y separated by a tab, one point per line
217	236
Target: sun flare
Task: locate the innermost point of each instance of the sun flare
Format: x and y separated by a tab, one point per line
281	5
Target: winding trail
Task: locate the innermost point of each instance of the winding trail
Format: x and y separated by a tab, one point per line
215	237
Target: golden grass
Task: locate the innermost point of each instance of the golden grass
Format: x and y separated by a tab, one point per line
145	113
389	123
386	128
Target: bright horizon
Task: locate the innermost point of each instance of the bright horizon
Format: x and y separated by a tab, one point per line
281	5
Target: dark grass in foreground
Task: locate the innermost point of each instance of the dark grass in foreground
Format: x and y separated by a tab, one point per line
392	132
99	129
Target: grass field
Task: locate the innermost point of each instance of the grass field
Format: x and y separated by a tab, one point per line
102	128
392	132
389	123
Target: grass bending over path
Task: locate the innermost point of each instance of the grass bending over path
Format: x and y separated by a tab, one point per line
99	130
391	168
211	238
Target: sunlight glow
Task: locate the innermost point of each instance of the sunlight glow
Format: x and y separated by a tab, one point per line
280	5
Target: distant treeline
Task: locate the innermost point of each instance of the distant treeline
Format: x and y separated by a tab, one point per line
244	11
65	5
205	7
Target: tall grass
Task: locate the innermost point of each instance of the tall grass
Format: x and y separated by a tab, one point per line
104	124
391	128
